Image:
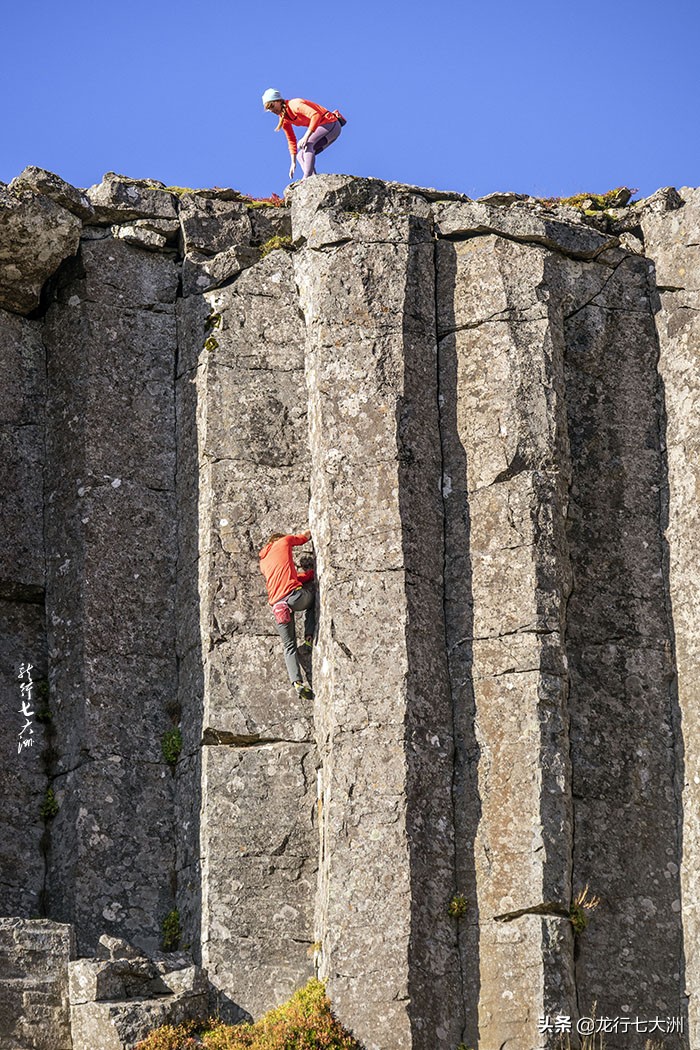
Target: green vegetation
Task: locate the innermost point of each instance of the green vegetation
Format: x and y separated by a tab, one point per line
179	191
285	243
276	243
49	807
273	201
305	1022
171	746
579	912
457	907
170	931
594	203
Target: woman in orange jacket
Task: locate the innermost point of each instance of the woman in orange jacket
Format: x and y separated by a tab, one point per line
323	128
289	591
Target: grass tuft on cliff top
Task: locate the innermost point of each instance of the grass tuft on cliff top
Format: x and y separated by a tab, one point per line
590	203
304	1022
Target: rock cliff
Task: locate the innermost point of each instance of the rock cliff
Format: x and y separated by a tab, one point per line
486	411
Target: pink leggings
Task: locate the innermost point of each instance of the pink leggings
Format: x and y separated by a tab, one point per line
316	143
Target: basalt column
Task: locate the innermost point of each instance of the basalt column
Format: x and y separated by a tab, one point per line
671	227
22	634
244	441
110	532
506	474
626	844
384	718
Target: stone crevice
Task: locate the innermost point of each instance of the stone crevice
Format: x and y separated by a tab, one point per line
552	908
441	400
534	241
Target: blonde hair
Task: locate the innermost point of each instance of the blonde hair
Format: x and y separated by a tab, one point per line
283	115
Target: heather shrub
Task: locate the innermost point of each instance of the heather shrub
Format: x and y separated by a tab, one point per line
172	1037
305	1022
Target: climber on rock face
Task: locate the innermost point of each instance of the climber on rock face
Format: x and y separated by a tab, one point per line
324	127
289	591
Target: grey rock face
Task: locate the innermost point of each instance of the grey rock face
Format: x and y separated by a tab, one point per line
213	226
34	1006
505	481
152	234
23	779
522	224
119	199
116	1002
503	513
671	239
22	407
53	187
202	272
111	547
243	391
22	629
619	644
383	720
37	234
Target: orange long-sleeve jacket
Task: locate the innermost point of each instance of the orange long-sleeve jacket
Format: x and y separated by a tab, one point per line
304	114
278	568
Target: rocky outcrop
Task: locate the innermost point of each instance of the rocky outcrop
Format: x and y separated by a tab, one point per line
37	234
119	997
671	227
22	633
484	409
34	1002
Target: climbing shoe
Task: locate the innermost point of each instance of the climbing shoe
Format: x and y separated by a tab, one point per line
304	692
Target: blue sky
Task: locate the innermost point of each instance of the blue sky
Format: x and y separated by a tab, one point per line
549	98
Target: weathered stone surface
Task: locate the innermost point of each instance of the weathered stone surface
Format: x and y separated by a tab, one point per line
111	586
502	198
505	479
116	948
373	397
152	234
257	836
269	222
336	209
56	189
521	223
671	240
119	275
619	644
118	199
121	1025
498	716
34	1006
23	365
23	779
201	272
36	236
252	471
213	226
134	977
92	979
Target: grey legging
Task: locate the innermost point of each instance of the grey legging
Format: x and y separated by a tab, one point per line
298	601
316	143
